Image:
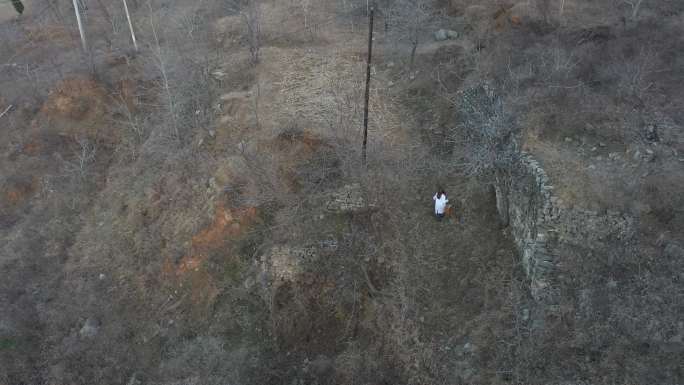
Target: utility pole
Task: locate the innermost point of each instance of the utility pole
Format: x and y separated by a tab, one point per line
80	26
130	26
368	78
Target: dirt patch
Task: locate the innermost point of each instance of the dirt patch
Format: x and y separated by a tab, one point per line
192	277
77	99
76	110
52	34
18	189
128	92
297	145
197	275
228	225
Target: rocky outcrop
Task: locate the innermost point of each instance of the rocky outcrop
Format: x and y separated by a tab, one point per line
348	199
545	228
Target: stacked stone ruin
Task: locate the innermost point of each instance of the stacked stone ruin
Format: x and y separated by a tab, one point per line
545	228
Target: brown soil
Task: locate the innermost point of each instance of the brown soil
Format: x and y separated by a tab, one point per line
18	189
76	99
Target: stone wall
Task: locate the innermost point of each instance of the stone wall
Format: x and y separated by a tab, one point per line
545	228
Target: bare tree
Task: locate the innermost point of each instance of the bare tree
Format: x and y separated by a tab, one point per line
161	61
635	4
408	21
6	110
83	158
486	132
251	15
544	8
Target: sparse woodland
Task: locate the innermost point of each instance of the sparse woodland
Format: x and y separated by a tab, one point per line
183	198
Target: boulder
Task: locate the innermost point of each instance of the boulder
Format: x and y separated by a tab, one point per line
322	366
90	328
348	198
452	34
651	133
441	35
445	34
673	250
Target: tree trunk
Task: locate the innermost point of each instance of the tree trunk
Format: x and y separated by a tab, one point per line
130	25
368	79
80	26
413	59
501	191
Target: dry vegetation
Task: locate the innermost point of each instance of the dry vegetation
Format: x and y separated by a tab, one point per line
196	212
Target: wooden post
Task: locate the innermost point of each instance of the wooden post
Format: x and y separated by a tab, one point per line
130	26
368	78
80	26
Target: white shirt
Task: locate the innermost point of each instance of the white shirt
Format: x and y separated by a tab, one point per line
440	203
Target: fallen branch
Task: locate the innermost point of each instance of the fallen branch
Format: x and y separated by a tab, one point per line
6	110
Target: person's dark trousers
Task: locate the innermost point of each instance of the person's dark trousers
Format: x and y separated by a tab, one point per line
439	216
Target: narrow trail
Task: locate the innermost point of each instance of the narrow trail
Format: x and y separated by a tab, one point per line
453	269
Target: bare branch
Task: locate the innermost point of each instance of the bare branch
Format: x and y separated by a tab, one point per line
6	110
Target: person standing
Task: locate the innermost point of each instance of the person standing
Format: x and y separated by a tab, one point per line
441	201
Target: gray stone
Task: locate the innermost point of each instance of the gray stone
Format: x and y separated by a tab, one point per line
349	198
90	328
452	34
673	250
649	156
322	366
441	35
651	133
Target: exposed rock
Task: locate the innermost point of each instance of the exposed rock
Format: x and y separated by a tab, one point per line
90	328
525	315
283	264
649	156
444	34
441	35
322	366
651	133
542	225
349	198
673	250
